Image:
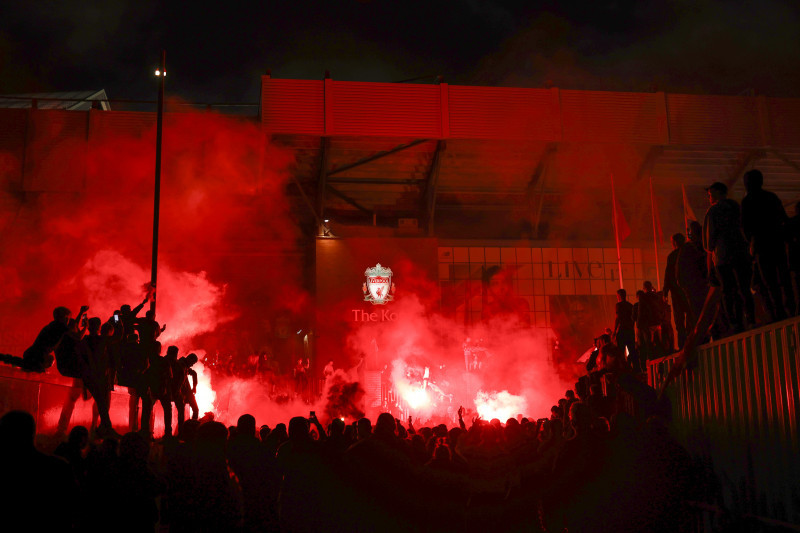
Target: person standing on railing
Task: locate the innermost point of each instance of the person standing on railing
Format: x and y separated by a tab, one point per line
764	221
691	273
680	307
723	239
624	332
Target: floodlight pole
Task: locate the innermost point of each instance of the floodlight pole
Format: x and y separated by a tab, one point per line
157	196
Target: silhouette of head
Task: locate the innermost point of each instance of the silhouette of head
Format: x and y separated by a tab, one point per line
695	231
246	425
364	427
94	325
172	352
298	429
622	295
61	314
753	180
78	437
337	426
717	191
677	240
385	425
191	359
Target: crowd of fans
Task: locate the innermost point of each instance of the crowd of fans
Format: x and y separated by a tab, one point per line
588	467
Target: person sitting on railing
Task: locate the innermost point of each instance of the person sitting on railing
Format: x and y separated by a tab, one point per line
39	357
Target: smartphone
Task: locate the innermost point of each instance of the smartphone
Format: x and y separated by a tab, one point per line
312	414
116	318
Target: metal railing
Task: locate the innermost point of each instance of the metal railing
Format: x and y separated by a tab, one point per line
736	410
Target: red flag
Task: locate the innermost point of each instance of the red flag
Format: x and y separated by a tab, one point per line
621	225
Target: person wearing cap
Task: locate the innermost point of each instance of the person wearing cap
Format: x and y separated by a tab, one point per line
724	240
764	223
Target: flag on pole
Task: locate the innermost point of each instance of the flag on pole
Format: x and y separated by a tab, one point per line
688	214
658	233
620	224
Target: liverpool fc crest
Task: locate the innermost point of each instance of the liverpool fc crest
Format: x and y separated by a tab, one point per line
378	288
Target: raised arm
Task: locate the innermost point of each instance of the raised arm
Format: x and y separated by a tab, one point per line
461	423
135	310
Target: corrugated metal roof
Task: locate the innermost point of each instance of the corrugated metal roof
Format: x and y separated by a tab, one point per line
72	101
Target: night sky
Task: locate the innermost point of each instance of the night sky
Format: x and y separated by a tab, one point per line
216	51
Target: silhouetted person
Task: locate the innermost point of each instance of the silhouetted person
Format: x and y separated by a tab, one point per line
764	222
127	317
137	486
71	362
691	272
133	362
300	461
275	439
94	347
40	489
159	379
599	342
39	357
72	451
723	238
183	392
680	307
667	331
648	323
217	493
258	476
624	331
148	327
573	467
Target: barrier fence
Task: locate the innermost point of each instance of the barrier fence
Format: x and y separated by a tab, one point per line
736	411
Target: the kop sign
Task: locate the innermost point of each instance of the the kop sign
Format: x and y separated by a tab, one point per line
378	289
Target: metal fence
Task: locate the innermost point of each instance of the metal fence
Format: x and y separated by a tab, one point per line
737	412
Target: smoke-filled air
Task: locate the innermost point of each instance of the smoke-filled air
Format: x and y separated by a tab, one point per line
231	286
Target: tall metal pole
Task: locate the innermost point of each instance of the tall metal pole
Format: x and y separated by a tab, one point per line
655	236
157	196
616	231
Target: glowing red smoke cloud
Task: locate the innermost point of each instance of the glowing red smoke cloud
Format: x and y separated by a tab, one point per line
224	233
193	305
500	405
517	362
